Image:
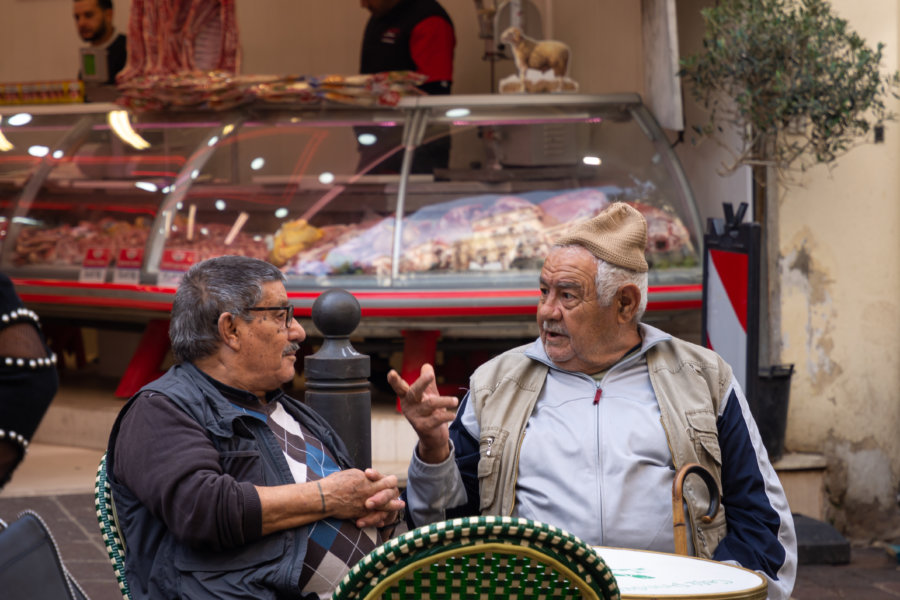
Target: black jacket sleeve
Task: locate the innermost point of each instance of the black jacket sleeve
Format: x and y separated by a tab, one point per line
166	459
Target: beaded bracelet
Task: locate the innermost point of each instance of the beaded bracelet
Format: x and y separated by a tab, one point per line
23	315
19	313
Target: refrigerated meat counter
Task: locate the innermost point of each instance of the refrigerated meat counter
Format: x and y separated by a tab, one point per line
434	213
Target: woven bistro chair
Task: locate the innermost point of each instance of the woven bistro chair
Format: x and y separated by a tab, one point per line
481	557
109	527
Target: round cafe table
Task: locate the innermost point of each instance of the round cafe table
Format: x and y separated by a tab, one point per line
656	575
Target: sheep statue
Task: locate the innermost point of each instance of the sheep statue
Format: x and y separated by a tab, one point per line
542	65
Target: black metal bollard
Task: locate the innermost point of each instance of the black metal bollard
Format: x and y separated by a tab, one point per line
337	376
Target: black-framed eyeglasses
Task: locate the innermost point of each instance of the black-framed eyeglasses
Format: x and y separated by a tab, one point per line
288	312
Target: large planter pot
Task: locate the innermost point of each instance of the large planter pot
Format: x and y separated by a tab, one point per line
773	391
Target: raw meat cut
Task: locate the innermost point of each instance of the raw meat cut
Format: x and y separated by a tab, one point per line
169	36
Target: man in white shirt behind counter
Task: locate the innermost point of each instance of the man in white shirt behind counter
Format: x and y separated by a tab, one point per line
106	52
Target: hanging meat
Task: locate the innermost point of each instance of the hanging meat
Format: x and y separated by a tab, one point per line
176	36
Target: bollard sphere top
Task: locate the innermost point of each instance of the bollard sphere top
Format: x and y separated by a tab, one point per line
336	313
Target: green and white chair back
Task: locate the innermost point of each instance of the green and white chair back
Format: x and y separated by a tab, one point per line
109	527
481	557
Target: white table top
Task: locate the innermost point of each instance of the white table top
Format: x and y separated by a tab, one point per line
642	574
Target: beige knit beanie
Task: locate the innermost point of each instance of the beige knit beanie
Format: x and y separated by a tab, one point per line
617	235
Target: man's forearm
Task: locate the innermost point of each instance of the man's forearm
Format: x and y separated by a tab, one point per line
291	505
432	488
435	453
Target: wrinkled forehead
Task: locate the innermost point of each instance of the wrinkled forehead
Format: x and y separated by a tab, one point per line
568	264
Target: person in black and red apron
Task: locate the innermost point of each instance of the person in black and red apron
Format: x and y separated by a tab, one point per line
408	35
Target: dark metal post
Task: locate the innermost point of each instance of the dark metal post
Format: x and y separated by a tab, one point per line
337	376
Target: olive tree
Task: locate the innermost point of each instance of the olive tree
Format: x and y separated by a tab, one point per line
789	80
786	84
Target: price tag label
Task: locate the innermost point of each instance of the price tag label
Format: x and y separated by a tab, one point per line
95	265
173	265
128	266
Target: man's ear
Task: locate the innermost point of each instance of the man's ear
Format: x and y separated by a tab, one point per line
628	298
228	331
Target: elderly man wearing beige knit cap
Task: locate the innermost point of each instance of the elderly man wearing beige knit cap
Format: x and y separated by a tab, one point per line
585	427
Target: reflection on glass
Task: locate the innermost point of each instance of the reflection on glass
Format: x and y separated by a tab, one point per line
457	113
5	144
147	186
121	125
19	119
89	198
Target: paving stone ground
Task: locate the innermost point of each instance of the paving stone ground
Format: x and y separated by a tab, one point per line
871	575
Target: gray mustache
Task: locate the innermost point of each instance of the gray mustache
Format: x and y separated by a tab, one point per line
291	348
554	328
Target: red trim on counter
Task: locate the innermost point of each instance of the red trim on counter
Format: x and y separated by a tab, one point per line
155	289
660	289
435	301
97	302
444	311
675	305
424	294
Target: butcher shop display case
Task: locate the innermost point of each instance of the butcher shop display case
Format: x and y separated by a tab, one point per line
435	213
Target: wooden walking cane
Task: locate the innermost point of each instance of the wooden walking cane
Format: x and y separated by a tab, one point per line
678	524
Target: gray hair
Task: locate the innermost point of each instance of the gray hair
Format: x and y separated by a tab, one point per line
224	284
611	278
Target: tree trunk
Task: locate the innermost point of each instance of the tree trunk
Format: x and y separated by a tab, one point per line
765	212
760	214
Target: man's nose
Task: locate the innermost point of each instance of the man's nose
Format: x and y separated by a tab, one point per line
296	332
548	309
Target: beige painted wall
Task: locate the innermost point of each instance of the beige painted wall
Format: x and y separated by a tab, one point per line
38	40
840	299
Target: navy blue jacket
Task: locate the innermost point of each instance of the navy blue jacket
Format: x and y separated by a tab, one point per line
203	478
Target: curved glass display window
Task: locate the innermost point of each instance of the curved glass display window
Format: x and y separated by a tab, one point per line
448	193
25	139
95	189
493	180
314	192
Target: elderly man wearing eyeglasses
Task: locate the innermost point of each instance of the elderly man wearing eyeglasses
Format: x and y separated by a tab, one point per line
225	486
